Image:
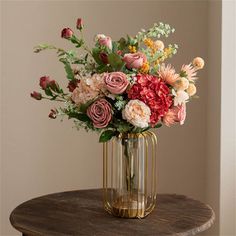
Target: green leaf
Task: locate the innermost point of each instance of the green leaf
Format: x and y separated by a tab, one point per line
83	107
83	117
107	135
68	69
115	61
122	44
95	53
157	126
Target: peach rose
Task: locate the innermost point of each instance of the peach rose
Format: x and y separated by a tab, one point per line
100	113
137	113
116	82
134	60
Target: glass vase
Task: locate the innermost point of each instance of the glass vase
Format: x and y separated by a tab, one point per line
129	174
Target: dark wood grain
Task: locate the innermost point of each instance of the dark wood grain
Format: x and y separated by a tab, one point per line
81	213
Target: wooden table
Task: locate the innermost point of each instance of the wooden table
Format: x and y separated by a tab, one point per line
81	213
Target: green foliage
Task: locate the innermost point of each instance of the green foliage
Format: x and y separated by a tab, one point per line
107	135
157	126
115	61
156	31
68	69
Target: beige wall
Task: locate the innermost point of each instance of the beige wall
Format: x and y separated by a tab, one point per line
40	156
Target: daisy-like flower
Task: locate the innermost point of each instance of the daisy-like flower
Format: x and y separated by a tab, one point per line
189	72
167	73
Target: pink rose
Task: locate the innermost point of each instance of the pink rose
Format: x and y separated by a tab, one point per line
116	82
79	24
67	33
105	41
44	82
100	113
134	60
36	95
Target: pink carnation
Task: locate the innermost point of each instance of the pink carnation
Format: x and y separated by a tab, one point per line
100	113
153	92
116	82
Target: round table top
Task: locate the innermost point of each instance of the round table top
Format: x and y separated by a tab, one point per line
81	213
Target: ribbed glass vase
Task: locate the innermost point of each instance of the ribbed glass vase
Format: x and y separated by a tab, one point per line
129	174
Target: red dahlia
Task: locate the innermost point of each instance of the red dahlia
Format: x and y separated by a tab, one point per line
153	92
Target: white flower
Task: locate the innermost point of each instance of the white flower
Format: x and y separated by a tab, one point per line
180	97
137	113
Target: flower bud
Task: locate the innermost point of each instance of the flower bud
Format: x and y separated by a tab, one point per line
79	24
54	86
67	33
53	114
72	85
44	82
104	58
36	95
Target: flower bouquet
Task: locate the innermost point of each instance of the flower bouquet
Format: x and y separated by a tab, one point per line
121	88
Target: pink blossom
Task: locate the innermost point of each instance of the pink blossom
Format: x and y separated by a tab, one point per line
169	118
116	82
134	60
175	114
180	112
105	41
79	24
100	113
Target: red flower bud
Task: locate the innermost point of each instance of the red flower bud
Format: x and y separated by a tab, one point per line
72	85
44	82
79	24
104	58
53	114
36	95
67	33
54	86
